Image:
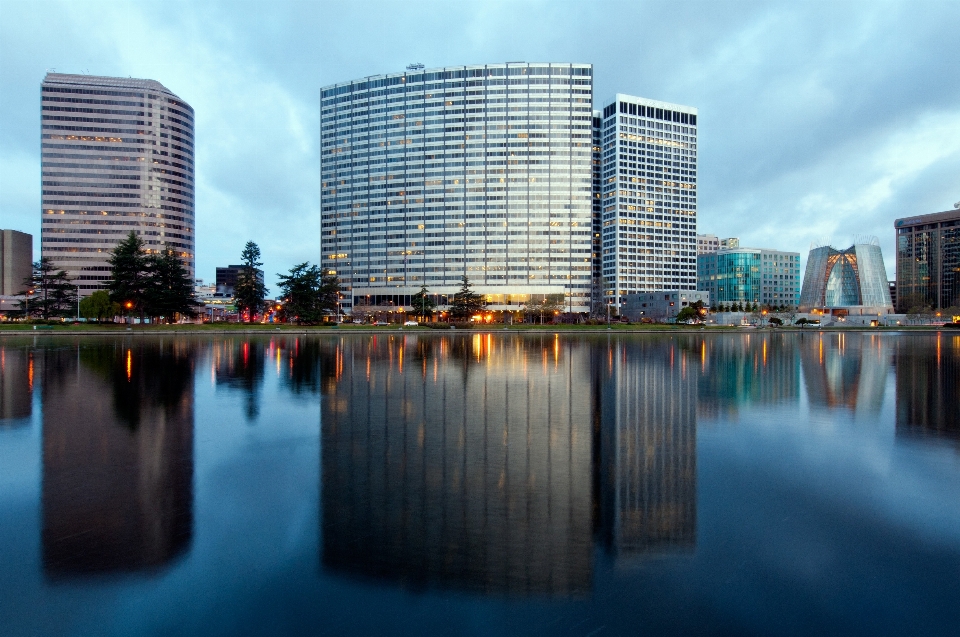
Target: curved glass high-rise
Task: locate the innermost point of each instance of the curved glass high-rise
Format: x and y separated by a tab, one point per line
117	156
479	171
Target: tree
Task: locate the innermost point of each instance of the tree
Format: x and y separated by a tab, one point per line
129	275
169	288
423	304
48	292
551	304
99	306
308	294
773	320
466	302
688	313
249	292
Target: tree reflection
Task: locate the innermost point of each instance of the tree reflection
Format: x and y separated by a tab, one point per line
239	366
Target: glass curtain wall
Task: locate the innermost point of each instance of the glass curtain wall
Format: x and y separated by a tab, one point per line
478	171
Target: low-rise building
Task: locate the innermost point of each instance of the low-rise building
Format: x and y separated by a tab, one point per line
762	276
661	306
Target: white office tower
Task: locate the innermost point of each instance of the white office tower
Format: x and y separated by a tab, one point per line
117	156
479	171
648	197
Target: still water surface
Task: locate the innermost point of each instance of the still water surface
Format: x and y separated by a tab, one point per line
480	484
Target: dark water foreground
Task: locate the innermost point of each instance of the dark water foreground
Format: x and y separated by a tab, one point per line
766	484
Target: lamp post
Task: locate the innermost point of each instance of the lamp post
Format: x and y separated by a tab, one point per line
78	303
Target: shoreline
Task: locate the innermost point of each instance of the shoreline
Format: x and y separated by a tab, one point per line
165	330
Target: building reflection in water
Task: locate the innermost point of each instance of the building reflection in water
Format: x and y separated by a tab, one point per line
117	456
459	462
928	385
750	369
648	446
846	370
17	374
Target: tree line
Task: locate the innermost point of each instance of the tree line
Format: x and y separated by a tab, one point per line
157	285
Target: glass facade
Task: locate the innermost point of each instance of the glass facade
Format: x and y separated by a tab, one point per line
928	261
750	275
479	171
648	197
848	278
117	156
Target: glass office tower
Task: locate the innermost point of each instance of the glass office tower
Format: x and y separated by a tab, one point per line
649	197
117	156
928	260
481	171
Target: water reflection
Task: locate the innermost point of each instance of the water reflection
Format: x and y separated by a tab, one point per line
460	462
238	364
928	386
846	370
752	369
648	459
117	456
17	371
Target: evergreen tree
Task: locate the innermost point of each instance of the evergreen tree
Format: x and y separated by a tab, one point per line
49	292
249	292
423	304
169	288
466	302
308	294
129	276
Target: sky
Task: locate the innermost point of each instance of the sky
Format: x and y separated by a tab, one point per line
819	122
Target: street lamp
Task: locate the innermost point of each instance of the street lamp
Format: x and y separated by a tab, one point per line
78	303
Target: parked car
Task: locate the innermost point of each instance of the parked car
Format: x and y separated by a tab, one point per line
410	324
381	323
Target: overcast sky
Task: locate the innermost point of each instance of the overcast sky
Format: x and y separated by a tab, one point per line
819	121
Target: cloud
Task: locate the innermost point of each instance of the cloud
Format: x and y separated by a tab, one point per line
816	118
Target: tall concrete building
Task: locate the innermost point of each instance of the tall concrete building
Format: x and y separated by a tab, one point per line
648	197
482	171
928	260
16	261
117	156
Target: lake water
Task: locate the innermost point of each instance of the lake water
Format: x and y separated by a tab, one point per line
480	484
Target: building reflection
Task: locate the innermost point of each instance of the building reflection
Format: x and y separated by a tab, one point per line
846	371
648	447
459	462
750	369
17	373
117	456
928	385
